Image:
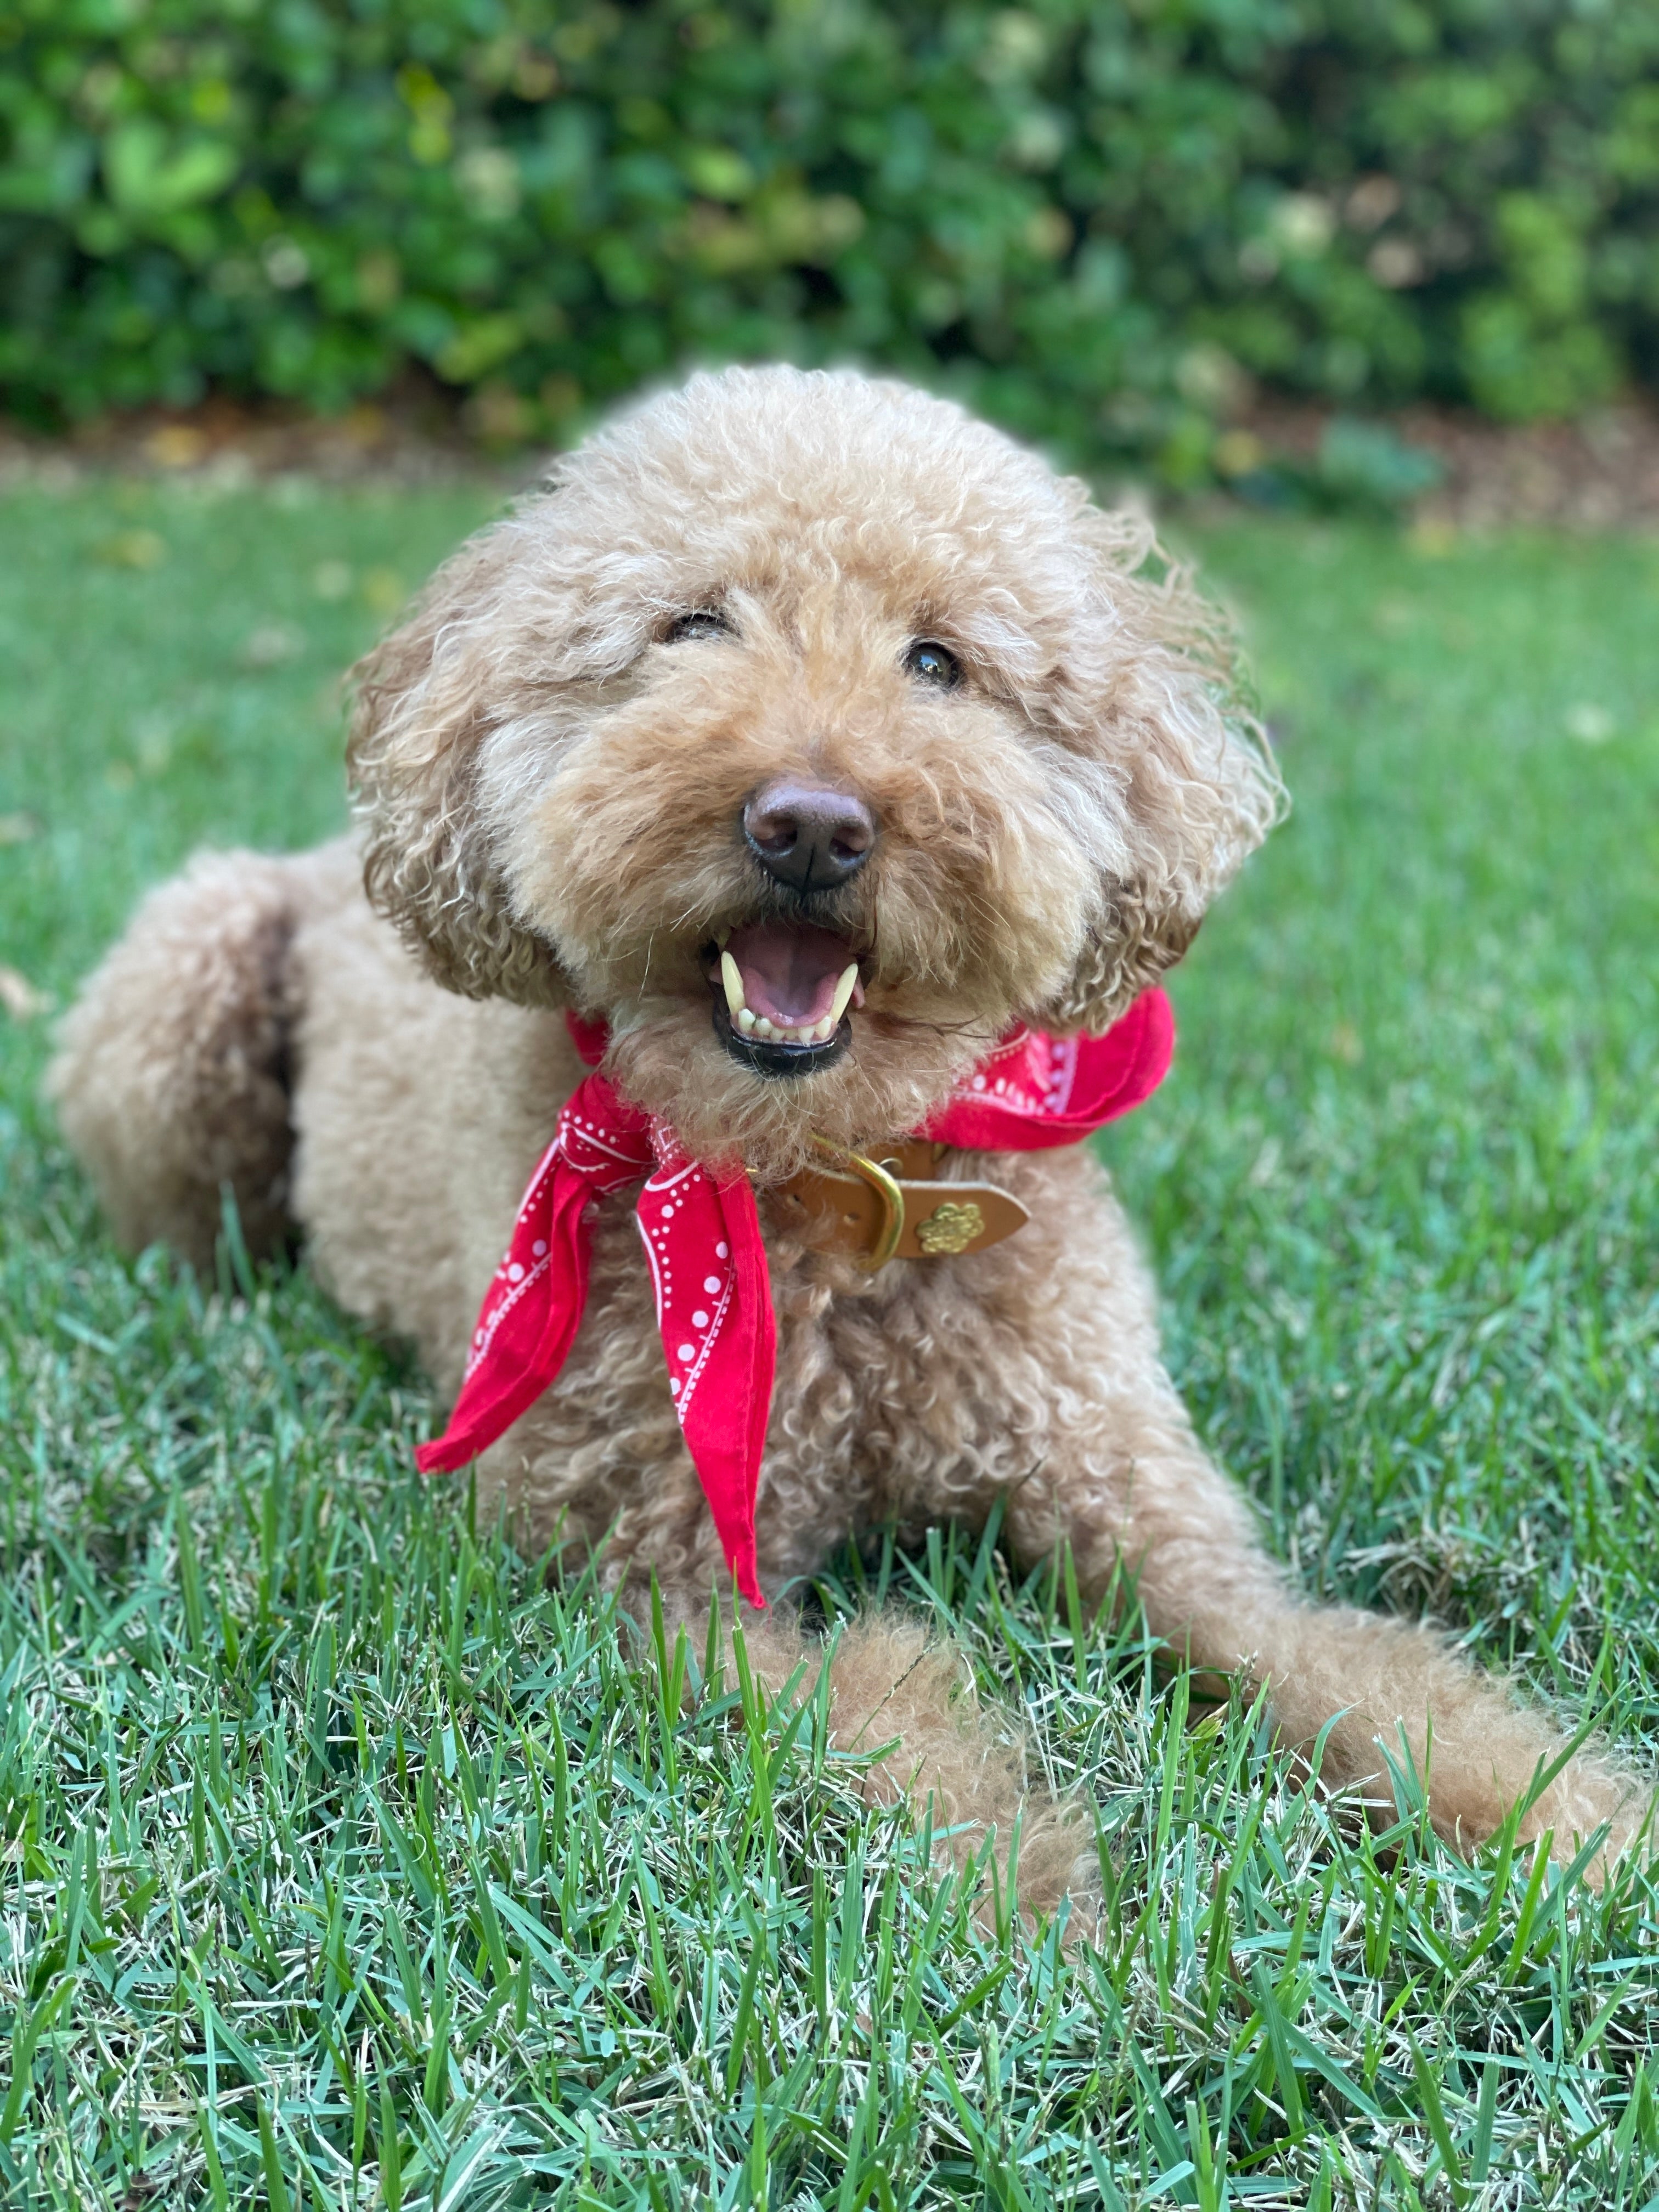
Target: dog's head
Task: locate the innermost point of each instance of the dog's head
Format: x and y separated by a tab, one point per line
813	734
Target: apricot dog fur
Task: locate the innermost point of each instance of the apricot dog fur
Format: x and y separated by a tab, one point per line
552	761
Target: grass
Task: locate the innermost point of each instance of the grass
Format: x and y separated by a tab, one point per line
347	1863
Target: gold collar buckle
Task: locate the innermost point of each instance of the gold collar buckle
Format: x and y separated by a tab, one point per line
886	1189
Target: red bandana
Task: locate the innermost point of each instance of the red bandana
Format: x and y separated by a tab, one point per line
702	1238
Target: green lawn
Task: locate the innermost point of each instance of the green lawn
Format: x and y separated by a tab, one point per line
346	1863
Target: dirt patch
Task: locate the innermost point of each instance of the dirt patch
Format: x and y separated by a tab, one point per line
410	440
1599	473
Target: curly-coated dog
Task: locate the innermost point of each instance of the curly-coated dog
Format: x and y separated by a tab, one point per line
804	739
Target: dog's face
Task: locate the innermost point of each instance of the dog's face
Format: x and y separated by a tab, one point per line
814	734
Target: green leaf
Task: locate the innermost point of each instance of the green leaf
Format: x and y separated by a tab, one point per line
150	173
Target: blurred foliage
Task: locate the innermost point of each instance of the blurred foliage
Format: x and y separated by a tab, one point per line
1100	220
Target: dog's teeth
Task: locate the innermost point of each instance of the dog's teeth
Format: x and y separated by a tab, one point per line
844	991
745	1020
824	1031
720	936
763	1030
732	980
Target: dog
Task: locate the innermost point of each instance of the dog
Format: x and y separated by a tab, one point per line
804	749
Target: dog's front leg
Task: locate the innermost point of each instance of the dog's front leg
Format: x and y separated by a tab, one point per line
1132	1485
902	1711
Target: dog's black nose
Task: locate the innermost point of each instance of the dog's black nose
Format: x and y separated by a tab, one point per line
806	836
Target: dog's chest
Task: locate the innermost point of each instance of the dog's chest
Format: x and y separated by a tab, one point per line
919	1391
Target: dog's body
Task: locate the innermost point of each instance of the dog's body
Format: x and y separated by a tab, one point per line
560	760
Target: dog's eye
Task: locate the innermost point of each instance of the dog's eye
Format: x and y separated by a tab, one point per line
930	663
704	623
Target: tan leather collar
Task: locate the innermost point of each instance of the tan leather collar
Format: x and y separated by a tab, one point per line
895	1207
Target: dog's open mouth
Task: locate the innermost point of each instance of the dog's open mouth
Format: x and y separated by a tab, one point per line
783	995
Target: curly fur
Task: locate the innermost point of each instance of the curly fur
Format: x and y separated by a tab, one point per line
550	789
172	1078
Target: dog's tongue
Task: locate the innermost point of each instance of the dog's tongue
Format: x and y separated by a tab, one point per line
789	974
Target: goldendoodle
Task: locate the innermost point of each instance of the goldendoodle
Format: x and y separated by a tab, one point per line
771	837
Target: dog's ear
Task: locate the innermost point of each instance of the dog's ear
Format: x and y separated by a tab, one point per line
1155	713
426	699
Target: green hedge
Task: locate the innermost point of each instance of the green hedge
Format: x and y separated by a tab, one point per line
1100	219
